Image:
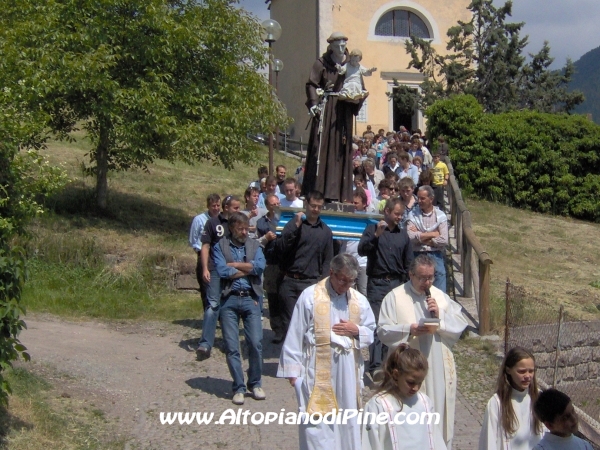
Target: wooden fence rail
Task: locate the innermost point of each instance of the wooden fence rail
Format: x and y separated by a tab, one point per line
474	260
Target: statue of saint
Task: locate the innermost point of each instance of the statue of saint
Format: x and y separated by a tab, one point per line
329	155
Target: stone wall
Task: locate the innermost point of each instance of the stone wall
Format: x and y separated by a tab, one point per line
578	373
579	357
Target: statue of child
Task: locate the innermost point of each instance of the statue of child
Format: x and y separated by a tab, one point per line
352	90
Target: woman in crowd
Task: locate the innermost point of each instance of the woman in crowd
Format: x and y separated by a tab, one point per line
406	188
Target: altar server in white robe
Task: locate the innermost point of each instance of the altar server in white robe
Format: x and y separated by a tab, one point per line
509	422
321	355
411	419
404	312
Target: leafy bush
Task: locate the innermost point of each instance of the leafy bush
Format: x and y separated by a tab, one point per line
543	162
25	179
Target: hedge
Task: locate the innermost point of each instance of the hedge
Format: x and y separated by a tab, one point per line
542	162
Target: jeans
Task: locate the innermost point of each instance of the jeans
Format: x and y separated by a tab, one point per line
377	288
248	309
201	283
211	313
440	268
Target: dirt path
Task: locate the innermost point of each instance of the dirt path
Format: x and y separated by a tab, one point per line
135	371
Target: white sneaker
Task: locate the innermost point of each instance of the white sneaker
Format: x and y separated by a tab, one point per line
258	393
238	399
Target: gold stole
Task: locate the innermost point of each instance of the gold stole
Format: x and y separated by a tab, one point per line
322	398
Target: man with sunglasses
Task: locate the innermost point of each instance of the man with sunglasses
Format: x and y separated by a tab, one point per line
424	317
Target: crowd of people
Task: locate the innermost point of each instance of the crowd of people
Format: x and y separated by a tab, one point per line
329	300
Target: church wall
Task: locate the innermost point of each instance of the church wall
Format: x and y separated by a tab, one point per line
306	25
357	18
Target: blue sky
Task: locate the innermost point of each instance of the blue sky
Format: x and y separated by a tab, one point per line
570	26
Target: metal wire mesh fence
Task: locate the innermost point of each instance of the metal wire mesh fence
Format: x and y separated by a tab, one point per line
566	350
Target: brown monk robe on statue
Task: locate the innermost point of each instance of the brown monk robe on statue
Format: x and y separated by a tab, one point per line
329	156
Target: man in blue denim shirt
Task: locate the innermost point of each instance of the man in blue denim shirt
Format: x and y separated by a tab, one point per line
240	262
213	205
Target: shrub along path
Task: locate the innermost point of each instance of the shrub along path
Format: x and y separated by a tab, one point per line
134	371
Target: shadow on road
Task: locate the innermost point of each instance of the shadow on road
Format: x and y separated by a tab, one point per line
214	386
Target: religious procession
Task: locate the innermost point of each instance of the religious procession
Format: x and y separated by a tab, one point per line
357	296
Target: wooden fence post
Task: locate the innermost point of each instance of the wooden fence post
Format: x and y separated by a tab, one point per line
467	273
484	296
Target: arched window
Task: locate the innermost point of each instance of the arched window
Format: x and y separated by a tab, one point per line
401	23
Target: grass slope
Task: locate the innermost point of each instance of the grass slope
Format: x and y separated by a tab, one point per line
555	259
120	265
42	417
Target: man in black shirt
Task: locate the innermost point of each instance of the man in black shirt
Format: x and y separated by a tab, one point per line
215	229
389	254
305	249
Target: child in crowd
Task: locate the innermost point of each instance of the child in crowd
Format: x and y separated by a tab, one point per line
361	182
418	161
509	422
386	189
399	397
556	411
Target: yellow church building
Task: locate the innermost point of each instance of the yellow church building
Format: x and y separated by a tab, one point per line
379	28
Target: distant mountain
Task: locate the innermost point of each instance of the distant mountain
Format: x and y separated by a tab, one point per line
587	80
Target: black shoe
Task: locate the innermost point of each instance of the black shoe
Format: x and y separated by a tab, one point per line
202	353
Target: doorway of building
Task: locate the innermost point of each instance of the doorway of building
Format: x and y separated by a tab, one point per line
404	112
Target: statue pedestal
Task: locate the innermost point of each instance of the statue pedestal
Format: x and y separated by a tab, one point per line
340	217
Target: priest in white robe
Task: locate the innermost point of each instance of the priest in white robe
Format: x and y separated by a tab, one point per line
321	356
406	317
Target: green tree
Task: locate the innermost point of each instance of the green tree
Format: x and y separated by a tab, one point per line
546	90
486	60
147	79
527	159
25	178
405	98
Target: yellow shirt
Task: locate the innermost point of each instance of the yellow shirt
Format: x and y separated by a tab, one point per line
440	171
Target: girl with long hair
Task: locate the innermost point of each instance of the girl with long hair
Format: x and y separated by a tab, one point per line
509	422
399	397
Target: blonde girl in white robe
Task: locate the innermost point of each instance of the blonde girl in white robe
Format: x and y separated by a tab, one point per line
509	422
399	398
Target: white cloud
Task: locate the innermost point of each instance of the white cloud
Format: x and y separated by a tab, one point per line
570	27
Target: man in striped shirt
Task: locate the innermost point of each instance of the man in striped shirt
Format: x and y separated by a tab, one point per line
427	228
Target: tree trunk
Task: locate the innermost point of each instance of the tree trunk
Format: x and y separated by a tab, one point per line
102	168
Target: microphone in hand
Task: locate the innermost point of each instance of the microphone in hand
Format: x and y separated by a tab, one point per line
428	295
